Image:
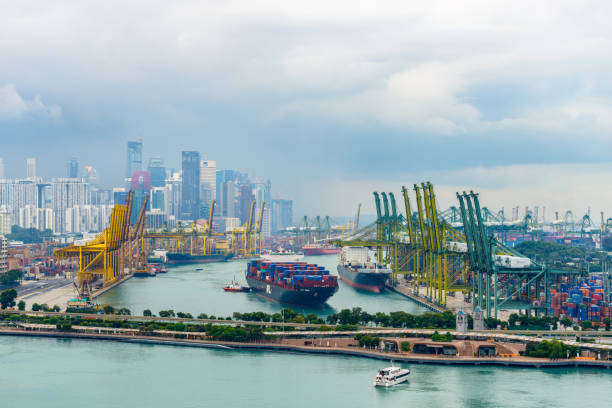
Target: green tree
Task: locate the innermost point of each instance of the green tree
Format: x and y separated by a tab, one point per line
606	322
566	322
7	298
56	308
147	312
35	307
108	309
124	311
21	305
586	325
405	346
202	316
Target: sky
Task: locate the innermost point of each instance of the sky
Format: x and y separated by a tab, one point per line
331	100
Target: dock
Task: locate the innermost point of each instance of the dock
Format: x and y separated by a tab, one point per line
404	291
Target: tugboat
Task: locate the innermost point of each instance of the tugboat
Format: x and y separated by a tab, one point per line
234	286
391	376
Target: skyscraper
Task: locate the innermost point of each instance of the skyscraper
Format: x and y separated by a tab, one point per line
1	169
157	172
282	214
208	183
190	196
134	158
263	192
73	168
67	193
31	167
246	198
141	185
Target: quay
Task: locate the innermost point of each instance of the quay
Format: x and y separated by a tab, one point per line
421	301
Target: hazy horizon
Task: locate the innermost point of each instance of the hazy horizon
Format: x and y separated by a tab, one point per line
329	100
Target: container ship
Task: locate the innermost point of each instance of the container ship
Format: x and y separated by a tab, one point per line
180	258
356	269
294	283
316	249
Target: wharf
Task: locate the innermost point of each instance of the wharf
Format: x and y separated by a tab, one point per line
407	292
106	288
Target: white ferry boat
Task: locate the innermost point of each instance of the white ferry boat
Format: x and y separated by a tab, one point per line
282	256
390	376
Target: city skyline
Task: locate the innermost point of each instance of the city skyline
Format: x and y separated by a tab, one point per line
331	117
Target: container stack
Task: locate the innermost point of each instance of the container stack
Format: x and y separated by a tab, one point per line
582	302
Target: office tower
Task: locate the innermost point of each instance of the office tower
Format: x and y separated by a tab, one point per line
141	186
134	158
172	195
31	167
73	168
158	198
157	172
263	192
1	169
190	196
282	214
119	195
246	197
208	185
67	193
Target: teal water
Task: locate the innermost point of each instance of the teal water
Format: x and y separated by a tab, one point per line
41	373
187	290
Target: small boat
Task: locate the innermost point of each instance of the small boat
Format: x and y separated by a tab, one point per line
390	376
234	286
199	269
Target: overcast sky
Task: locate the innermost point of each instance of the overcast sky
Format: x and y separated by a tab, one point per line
329	99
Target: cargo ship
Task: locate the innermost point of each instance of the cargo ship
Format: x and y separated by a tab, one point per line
294	283
317	249
180	258
356	269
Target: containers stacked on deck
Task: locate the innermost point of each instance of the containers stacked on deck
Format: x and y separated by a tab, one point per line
584	301
291	274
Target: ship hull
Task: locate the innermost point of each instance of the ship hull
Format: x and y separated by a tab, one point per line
320	251
369	281
307	296
178	259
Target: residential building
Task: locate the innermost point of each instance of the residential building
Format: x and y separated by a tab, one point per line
3	255
6	221
31	168
67	193
172	195
190	195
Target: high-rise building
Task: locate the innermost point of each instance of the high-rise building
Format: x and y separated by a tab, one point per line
1	169
3	255
67	193
141	186
73	168
190	196
31	167
134	158
6	221
246	198
172	195
282	214
119	195
15	194
158	198
263	192
157	172
208	184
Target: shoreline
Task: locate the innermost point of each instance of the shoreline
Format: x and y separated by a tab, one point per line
224	345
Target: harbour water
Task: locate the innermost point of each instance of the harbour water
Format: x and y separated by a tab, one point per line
188	290
69	373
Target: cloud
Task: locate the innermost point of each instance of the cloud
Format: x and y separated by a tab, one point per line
14	106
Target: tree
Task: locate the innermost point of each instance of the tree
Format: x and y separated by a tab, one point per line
124	311
21	305
7	298
108	309
202	316
566	322
147	312
586	325
35	307
167	313
606	322
56	308
405	346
